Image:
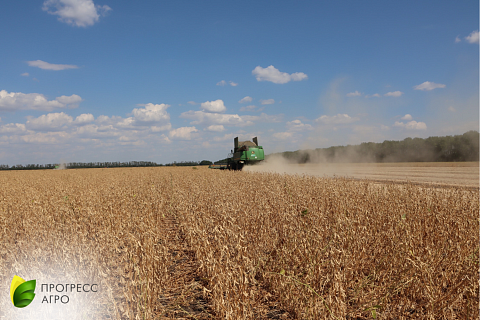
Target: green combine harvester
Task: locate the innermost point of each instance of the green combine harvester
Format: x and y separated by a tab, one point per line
244	153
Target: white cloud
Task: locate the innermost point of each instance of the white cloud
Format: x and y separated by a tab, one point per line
152	113
395	94
457	39
214	106
384	128
207	118
50	66
337	119
282	135
297	125
272	74
376	95
25	74
414	125
407	117
411	125
34	101
192	102
451	109
45	137
165	127
215	128
13	128
49	122
268	101
427	86
233	84
84	118
354	94
245	99
473	37
80	13
183	133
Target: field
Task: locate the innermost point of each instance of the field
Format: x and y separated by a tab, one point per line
434	173
196	243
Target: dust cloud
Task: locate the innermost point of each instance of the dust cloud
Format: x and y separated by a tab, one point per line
278	164
61	166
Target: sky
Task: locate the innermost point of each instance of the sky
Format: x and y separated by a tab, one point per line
164	81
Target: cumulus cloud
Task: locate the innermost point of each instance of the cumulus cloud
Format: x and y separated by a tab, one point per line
80	13
411	125
472	37
84	118
272	74
50	66
215	128
13	128
457	39
45	137
354	94
267	101
337	119
407	117
375	95
214	106
34	101
233	84
49	122
152	113
395	94
25	74
245	99
207	118
165	127
427	86
183	133
192	102
297	125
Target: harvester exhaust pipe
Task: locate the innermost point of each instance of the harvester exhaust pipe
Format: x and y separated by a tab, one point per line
255	141
235	141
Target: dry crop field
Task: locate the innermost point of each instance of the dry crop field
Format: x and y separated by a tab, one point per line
185	243
438	173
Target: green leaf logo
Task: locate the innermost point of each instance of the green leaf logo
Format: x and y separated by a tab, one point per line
22	292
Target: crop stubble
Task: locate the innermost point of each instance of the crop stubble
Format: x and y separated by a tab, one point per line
169	243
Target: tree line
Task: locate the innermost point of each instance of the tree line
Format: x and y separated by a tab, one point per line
433	149
81	165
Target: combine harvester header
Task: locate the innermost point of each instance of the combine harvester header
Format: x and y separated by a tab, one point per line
244	153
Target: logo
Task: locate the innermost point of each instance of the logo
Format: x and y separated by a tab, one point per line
22	292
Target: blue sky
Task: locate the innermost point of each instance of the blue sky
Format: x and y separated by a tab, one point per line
165	81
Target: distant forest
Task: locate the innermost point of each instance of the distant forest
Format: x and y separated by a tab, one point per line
433	149
80	165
